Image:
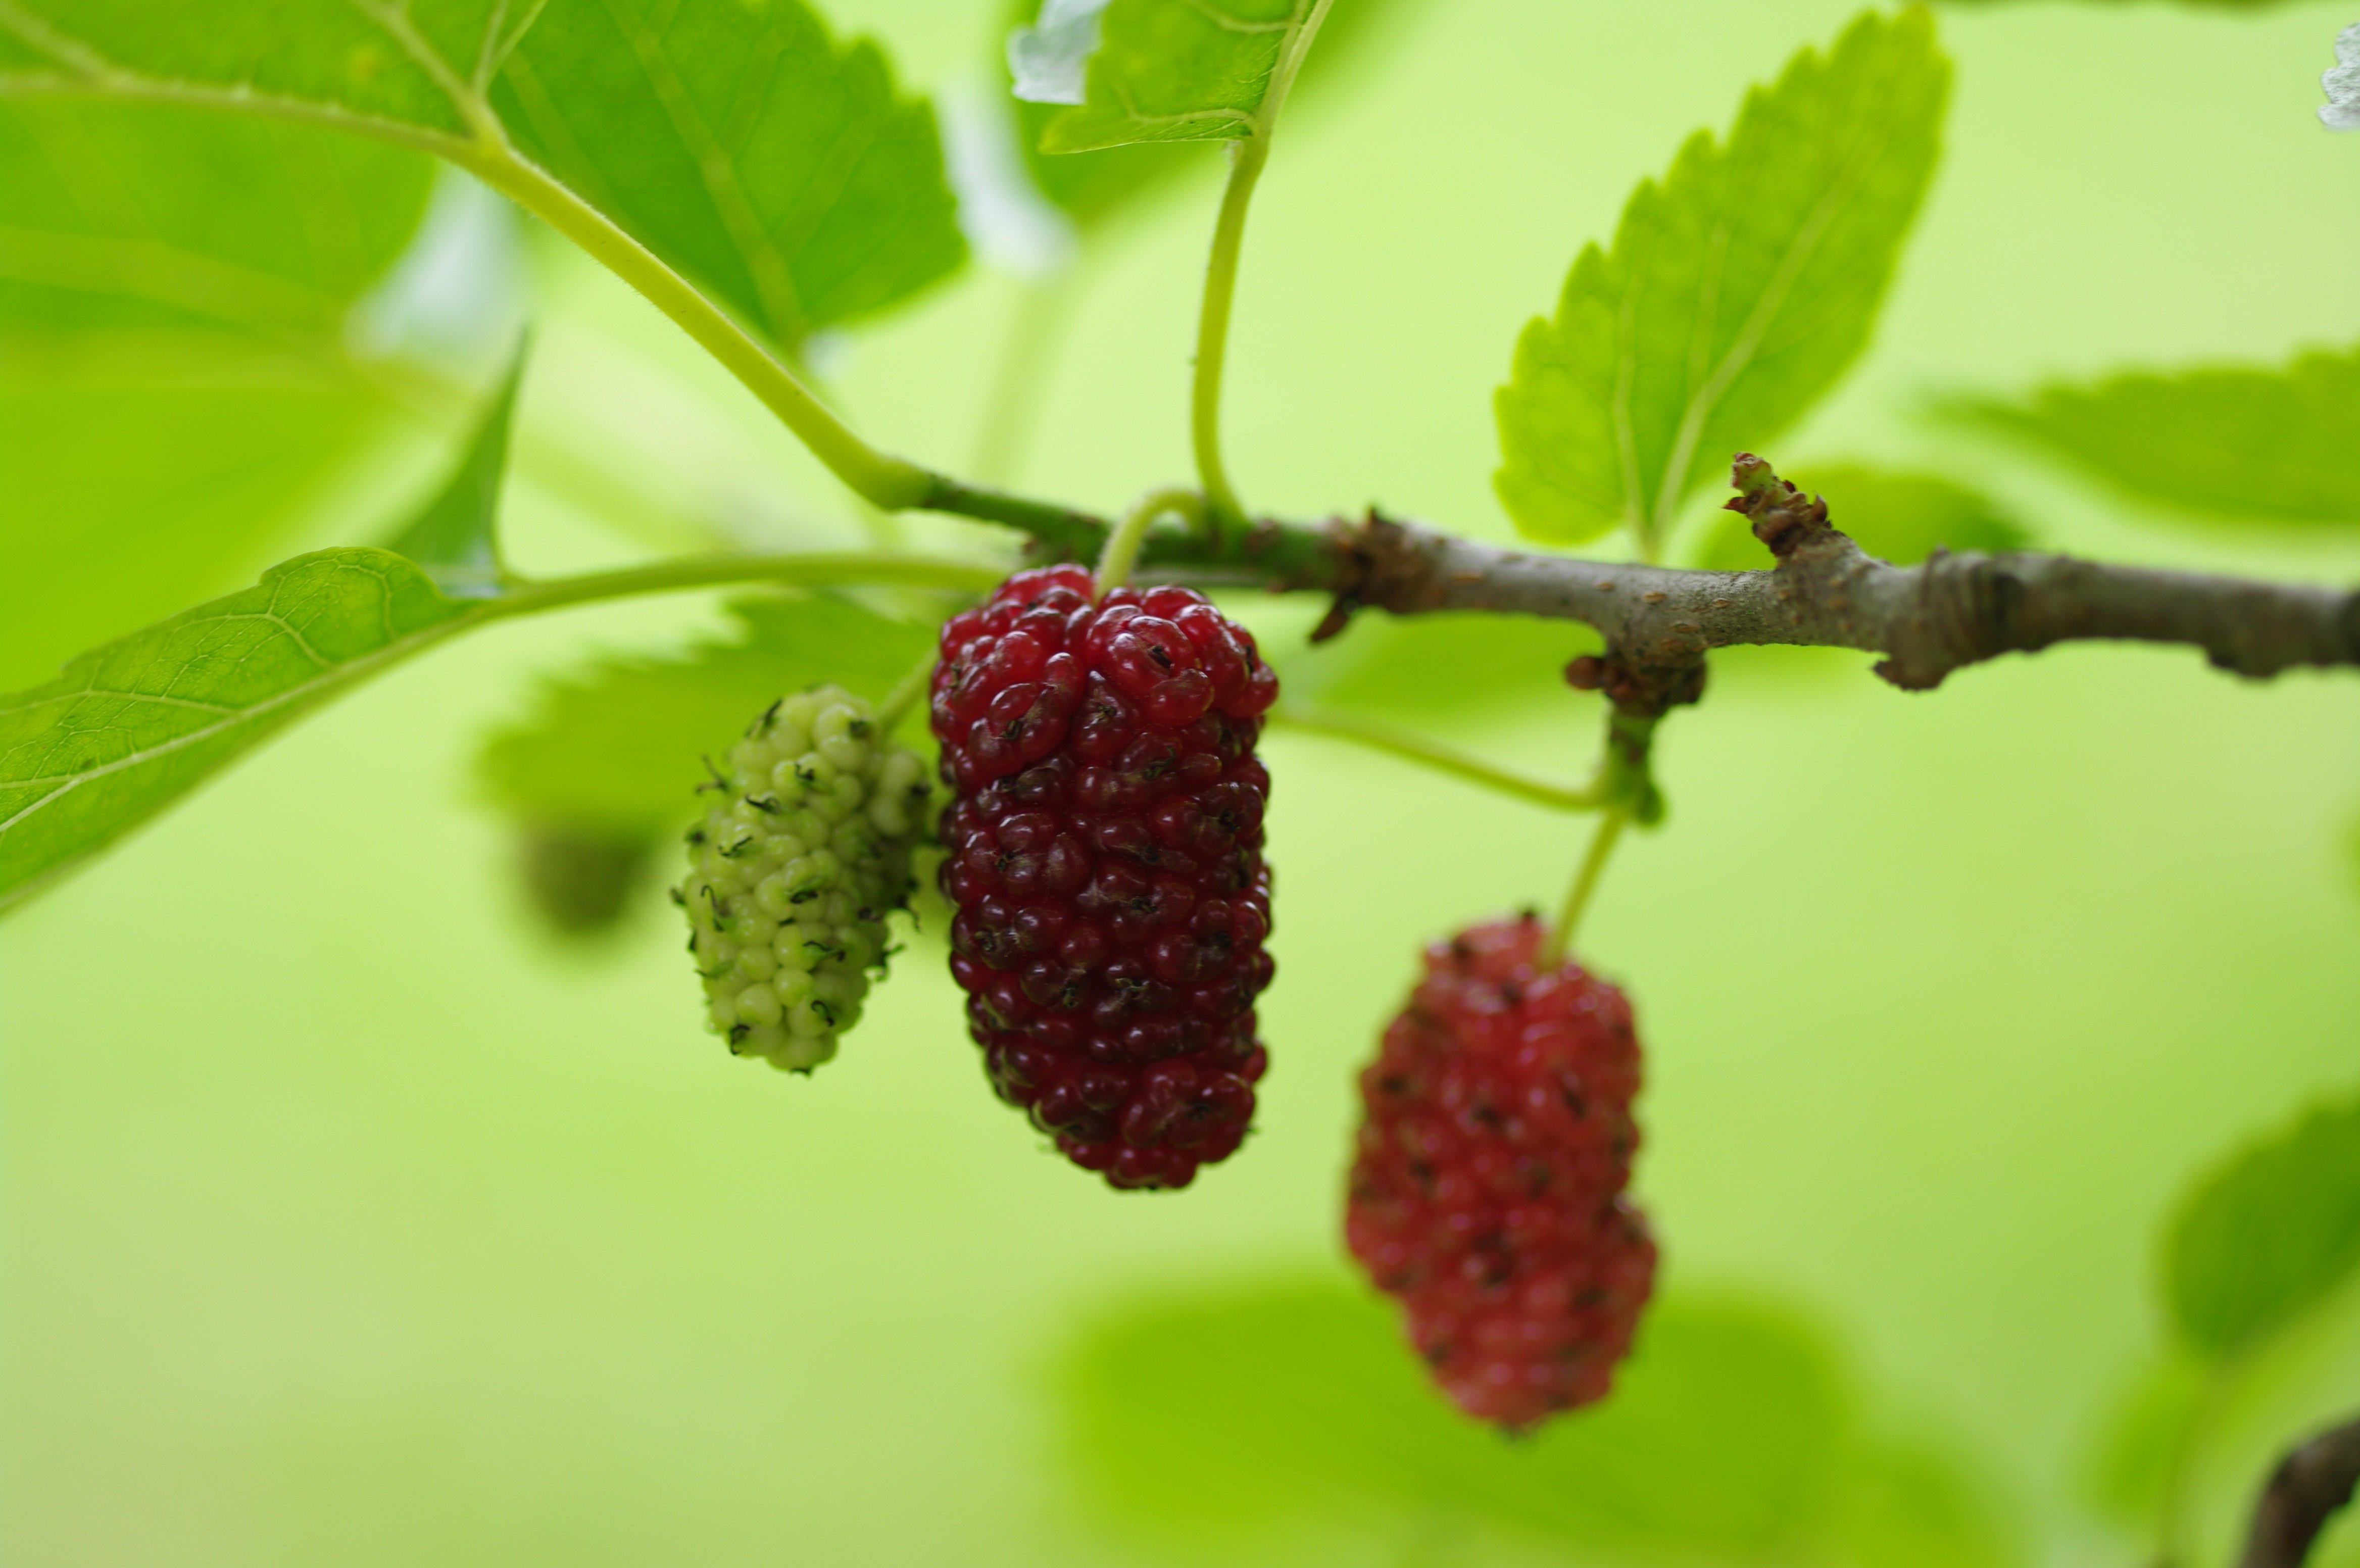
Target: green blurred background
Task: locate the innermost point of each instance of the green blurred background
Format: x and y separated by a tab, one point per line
349	1218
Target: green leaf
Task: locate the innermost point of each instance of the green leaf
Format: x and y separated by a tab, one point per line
456	536
735	139
175	392
1731	1437
125	215
132	727
613	752
1894	516
1736	292
2268	1233
2128	1469
1091	187
2227	443
580	883
143	475
1442	670
1184	70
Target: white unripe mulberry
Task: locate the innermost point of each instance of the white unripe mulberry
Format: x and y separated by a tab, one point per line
804	850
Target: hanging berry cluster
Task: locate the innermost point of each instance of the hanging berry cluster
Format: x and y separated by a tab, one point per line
804	850
1104	854
1488	1191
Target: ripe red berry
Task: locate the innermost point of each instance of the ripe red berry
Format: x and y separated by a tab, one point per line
1487	1191
1104	853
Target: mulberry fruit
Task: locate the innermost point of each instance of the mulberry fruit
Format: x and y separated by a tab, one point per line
1487	1190
1104	854
804	850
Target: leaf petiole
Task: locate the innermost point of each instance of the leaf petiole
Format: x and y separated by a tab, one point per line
1443	759
1585	883
1248	155
1122	545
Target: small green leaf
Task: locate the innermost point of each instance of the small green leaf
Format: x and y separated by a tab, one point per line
613	752
1090	187
2239	444
1087	187
2267	1234
1176	70
1731	1437
132	727
456	536
1894	516
735	139
1736	292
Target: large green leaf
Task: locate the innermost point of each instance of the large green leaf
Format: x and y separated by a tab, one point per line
135	215
2267	1234
1171	69
735	139
1736	292
614	751
1894	515
175	391
2224	443
1731	1437
130	728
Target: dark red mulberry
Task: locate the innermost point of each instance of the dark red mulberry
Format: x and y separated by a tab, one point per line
1487	1190
1104	854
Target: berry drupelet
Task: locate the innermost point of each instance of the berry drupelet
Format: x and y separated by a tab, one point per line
1104	854
1487	1191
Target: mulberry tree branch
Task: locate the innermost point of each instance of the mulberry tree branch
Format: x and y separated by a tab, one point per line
2309	1485
1822	591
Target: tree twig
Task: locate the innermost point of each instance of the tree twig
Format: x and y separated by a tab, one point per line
1822	591
2308	1485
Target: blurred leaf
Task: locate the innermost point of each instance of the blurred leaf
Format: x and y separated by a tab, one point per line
1730	1437
1441	668
1183	71
2351	855
2267	1234
2225	444
1894	516
144	474
132	727
738	142
580	883
174	387
457	537
614	751
2130	1465
2192	4
130	214
1736	293
1089	187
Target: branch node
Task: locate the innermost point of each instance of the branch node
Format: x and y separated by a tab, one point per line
1378	562
1782	517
